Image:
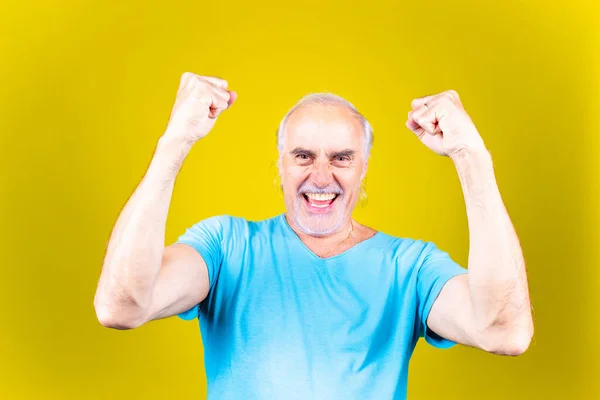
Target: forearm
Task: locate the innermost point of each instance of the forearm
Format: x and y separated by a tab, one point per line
135	250
497	273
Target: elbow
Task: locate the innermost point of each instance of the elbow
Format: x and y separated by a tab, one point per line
118	317
516	344
110	319
509	342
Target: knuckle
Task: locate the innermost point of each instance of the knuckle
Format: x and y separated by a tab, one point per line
186	75
452	93
222	82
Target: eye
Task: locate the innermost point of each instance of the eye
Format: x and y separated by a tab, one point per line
303	159
342	161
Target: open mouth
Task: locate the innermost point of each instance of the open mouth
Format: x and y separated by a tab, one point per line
320	202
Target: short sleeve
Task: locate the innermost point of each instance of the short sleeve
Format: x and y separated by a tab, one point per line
436	269
206	237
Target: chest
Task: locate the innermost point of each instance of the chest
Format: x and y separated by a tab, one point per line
283	295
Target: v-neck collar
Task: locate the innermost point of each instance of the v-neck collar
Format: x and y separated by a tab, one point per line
291	232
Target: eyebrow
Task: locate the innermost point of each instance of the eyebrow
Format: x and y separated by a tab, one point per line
300	150
342	153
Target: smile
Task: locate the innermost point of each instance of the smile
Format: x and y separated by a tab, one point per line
319	202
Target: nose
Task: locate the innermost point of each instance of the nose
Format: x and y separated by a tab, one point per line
321	174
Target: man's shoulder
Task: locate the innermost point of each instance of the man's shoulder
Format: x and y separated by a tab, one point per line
229	222
402	245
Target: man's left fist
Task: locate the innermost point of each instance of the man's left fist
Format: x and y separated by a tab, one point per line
443	125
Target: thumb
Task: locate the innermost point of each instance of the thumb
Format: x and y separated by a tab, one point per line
232	98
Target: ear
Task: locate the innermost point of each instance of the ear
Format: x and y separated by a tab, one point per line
364	172
279	165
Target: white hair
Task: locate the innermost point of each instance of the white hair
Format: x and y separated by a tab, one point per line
328	99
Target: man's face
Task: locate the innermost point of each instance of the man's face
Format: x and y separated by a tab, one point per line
322	166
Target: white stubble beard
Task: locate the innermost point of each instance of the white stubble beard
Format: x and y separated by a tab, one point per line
317	231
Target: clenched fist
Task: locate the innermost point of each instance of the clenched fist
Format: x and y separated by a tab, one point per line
200	100
443	125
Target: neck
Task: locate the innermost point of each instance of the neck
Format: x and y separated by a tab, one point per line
335	237
350	234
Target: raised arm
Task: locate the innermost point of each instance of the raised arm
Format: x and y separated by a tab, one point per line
140	279
488	308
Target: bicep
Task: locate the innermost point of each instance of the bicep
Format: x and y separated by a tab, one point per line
182	282
451	315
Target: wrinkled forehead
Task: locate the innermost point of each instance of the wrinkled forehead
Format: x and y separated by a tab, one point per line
323	127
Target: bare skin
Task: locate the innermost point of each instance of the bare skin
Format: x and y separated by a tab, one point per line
141	280
338	243
323	150
488	308
322	166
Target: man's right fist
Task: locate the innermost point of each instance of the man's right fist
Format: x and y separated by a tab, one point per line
200	100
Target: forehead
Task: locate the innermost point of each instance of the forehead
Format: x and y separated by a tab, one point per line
323	126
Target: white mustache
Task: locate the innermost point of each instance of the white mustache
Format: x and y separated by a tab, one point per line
310	188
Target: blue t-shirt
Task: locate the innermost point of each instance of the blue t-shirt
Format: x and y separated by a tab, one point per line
281	323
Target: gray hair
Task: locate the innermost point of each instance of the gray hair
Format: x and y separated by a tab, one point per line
328	99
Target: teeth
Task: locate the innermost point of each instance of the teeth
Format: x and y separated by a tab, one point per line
321	196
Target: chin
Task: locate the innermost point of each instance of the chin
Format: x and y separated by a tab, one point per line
318	224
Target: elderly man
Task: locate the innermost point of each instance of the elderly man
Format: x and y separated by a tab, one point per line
311	303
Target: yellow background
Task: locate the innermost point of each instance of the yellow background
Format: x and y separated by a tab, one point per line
86	89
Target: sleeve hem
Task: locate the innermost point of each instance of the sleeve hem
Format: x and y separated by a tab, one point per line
431	337
192	313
